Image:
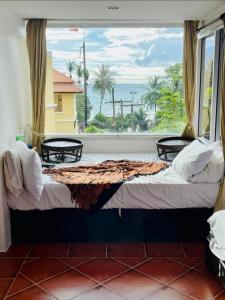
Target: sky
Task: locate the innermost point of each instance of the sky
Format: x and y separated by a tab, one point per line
134	54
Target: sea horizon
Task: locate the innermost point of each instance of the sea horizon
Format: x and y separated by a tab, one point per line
128	93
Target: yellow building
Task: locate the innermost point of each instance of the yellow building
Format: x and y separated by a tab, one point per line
60	101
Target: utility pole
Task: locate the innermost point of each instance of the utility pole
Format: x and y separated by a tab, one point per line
113	105
85	85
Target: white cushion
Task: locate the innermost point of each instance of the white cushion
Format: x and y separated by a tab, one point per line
13	173
214	171
32	169
192	159
217	233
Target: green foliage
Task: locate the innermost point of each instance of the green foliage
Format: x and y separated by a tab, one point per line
80	108
170	110
153	92
174	77
103	82
71	66
91	129
79	72
164	94
171	115
101	121
140	119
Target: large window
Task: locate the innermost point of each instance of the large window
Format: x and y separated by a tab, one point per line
121	80
209	73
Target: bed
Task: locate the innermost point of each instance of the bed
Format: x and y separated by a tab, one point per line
161	207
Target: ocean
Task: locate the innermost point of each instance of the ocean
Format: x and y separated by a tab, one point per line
128	93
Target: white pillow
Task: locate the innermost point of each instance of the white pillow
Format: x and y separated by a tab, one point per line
32	169
192	159
214	171
13	173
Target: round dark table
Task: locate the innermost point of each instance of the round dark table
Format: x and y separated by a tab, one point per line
61	150
169	147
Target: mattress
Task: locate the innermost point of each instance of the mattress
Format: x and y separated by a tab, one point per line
165	190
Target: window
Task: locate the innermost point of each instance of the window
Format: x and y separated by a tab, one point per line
58	103
209	50
123	80
209	92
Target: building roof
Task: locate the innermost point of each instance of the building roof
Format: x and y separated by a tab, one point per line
64	84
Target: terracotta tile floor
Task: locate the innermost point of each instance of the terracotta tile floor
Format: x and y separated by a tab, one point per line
135	271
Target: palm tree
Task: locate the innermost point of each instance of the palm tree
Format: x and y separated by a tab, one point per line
71	66
79	73
153	93
140	119
103	82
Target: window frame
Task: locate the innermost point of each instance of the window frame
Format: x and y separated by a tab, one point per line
216	84
59	98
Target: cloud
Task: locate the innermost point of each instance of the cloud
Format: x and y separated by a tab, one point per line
134	54
134	36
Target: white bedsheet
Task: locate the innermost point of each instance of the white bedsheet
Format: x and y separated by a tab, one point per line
163	190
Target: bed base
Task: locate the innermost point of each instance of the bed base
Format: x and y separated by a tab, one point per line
107	225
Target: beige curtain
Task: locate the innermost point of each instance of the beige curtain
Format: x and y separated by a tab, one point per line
220	201
189	67
37	52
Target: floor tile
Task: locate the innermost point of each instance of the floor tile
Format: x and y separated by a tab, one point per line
126	249
19	284
99	293
68	285
164	250
49	250
166	293
42	268
131	261
132	285
189	261
102	269
74	261
16	250
162	269
9	267
202	268
194	249
197	285
33	293
88	250
4	286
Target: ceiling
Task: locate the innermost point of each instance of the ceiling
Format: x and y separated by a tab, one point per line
155	11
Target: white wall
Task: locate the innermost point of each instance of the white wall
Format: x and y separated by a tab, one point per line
15	109
113	143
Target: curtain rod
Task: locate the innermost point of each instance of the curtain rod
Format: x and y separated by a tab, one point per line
211	22
100	20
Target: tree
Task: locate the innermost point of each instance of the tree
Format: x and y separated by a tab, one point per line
80	107
174	76
79	73
103	82
71	66
153	93
170	114
140	119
